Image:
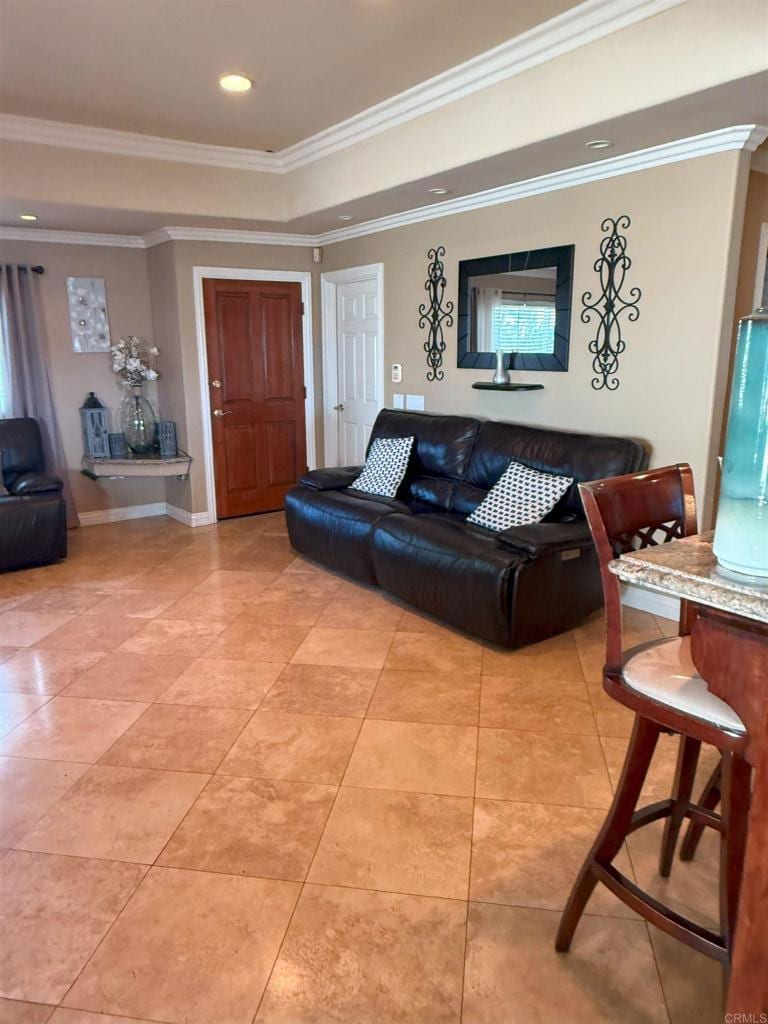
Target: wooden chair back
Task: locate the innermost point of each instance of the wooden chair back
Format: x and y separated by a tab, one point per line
628	513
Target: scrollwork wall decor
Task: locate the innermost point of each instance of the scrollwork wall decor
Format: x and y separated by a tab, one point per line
435	315
612	266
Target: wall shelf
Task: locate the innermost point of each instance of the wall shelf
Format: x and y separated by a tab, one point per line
137	465
488	385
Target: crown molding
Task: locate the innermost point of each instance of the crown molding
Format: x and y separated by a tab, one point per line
583	24
71	237
107	140
737	137
226	235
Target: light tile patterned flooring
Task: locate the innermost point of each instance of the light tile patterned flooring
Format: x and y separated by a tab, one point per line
238	788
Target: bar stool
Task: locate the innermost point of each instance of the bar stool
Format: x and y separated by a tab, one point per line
658	681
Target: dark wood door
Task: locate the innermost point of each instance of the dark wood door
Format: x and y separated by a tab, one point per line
256	388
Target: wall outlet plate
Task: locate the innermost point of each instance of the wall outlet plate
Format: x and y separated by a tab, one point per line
415	403
398	401
397	373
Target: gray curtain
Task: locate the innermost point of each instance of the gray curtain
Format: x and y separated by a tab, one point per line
29	367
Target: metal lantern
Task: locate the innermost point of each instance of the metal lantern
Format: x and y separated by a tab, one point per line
93	417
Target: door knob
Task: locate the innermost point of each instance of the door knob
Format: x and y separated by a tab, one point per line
215	383
339	407
220	412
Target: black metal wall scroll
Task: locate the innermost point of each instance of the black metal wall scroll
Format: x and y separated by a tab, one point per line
435	315
612	266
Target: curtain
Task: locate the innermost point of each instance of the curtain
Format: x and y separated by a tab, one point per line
485	301
27	380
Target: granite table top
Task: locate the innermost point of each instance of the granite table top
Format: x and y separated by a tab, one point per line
688	569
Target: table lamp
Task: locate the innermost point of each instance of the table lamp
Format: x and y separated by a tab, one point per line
741	535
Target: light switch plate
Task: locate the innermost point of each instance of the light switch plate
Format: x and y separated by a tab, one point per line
397	373
415	403
398	401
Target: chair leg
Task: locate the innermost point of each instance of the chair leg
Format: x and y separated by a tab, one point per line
736	780
685	774
642	745
709	799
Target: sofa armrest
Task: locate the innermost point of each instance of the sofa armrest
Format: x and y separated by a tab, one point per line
539	539
35	483
331	479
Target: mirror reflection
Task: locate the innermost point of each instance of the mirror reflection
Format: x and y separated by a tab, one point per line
513	311
518	303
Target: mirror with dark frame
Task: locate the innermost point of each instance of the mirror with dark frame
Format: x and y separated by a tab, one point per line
519	302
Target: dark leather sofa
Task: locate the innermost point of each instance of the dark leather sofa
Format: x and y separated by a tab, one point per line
33	517
509	588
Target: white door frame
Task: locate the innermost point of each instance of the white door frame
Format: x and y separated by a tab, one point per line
304	278
328	286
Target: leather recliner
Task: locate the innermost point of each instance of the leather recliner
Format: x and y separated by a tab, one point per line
509	588
33	517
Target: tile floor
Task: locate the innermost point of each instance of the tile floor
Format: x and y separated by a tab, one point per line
239	789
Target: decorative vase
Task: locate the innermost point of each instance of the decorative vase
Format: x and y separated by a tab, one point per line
138	422
500	376
741	536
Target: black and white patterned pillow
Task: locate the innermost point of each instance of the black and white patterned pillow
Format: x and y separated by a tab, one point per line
385	467
520	496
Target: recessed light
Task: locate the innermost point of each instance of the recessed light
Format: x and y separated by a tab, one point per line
599	144
439	191
235	82
28	216
345	216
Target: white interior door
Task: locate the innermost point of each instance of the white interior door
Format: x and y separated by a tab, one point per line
358	337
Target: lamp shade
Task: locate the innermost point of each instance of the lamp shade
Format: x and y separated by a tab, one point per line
741	536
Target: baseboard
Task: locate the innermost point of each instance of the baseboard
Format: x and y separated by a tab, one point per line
189	518
650	601
157	508
117	515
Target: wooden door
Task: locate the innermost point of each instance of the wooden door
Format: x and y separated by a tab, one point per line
256	387
357	340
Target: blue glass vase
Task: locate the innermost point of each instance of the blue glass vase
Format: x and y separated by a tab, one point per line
741	536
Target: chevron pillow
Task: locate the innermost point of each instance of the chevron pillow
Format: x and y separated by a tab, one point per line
520	496
385	467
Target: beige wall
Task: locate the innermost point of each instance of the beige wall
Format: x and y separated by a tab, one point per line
684	241
686	225
75	374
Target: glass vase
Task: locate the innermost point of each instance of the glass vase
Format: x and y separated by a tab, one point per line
138	422
741	536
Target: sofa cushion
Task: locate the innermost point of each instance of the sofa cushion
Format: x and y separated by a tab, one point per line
520	496
440	456
385	466
22	447
36	483
452	570
580	456
335	527
334	478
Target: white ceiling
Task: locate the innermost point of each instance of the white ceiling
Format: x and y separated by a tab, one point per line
151	66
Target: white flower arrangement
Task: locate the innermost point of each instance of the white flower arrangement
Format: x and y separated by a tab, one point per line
132	364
